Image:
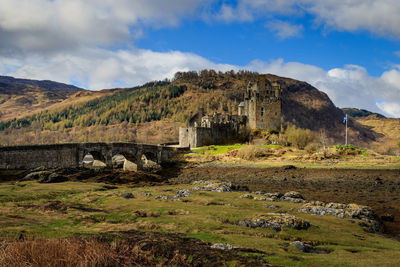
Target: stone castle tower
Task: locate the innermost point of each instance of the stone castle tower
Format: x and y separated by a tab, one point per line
261	109
262	104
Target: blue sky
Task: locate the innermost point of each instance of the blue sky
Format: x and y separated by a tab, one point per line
240	43
346	48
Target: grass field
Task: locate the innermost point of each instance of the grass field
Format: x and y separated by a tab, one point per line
277	156
67	209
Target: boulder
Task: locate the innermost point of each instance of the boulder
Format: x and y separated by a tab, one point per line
53	178
300	246
352	211
246	196
37	175
212	186
183	193
276	221
127	195
130	166
222	246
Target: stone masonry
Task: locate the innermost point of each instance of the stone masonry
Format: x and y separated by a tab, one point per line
261	109
71	155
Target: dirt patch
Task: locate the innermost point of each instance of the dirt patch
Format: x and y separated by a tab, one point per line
59	206
152	248
379	189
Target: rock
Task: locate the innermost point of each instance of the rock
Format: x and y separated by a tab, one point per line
260	198
183	193
148	194
39	175
53	178
222	246
300	246
293	194
276	221
127	195
246	196
98	164
212	186
161	197
273	195
130	166
353	211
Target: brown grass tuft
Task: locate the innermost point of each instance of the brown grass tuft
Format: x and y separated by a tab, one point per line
250	152
55	252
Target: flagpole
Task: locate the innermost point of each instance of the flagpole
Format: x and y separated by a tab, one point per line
346	129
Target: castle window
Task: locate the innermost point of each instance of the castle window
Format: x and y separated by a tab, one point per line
262	112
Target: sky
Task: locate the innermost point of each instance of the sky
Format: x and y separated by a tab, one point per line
350	49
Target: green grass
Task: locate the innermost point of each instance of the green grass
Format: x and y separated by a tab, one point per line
222	149
216	149
210	223
217	155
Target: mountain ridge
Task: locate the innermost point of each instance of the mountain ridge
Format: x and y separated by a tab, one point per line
176	101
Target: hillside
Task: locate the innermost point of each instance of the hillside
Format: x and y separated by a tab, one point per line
360	113
175	102
19	97
387	133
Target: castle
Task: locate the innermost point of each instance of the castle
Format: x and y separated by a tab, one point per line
261	109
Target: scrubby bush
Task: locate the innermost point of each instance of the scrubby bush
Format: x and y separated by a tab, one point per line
311	148
279	139
250	152
298	137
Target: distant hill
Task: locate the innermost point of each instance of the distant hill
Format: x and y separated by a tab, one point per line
21	96
359	113
188	93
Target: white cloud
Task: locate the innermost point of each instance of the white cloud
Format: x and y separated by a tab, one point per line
284	29
350	86
67	41
376	16
45	26
97	68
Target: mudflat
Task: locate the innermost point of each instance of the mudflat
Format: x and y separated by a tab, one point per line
379	189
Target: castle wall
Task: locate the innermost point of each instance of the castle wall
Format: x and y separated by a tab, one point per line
184	136
204	136
268	115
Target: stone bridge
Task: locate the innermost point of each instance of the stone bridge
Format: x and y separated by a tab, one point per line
72	154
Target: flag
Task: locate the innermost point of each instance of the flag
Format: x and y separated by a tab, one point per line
345	119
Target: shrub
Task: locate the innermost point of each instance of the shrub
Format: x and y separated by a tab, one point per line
311	148
250	152
278	139
298	137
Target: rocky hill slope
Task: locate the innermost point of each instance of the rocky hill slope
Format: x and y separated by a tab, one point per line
21	96
178	100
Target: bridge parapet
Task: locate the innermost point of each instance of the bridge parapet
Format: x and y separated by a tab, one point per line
72	154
